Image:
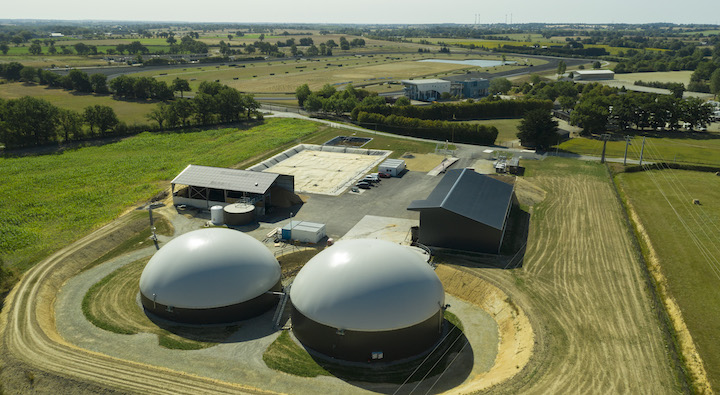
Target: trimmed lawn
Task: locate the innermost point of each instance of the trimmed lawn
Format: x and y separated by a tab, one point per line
692	278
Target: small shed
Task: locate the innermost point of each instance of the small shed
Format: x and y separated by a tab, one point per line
304	232
392	166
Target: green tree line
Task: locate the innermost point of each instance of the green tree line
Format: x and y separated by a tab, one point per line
436	130
30	121
483	109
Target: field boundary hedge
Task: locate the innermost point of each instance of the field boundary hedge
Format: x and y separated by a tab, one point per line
436	130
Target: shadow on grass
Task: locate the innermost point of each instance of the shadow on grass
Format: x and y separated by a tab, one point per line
208	335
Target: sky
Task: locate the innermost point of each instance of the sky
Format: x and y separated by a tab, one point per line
371	11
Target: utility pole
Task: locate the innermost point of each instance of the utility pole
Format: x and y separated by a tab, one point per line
642	150
605	137
627	143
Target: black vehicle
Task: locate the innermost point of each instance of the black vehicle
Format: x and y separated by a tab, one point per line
363	185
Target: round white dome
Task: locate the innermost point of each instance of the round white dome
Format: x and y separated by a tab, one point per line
209	268
367	285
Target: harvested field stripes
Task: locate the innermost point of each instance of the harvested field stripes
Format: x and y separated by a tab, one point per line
584	291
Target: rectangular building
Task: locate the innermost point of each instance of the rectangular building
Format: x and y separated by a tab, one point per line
593	75
392	166
426	90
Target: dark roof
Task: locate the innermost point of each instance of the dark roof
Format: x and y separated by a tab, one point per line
227	179
472	195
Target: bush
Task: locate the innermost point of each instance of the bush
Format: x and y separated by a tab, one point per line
436	130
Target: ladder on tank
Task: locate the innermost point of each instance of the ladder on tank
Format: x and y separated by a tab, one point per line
281	308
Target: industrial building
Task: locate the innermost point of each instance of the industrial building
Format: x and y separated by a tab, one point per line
365	299
394	167
432	89
466	211
593	75
470	88
205	186
208	276
303	231
426	90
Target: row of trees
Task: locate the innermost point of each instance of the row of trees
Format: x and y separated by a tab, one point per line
486	108
213	103
330	100
125	87
29	121
437	130
601	107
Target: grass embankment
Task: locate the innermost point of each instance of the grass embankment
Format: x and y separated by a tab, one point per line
285	355
693	148
130	112
110	304
399	146
692	278
48	201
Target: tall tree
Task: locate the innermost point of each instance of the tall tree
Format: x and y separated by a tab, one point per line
561	68
69	124
538	129
302	92
715	82
99	83
102	117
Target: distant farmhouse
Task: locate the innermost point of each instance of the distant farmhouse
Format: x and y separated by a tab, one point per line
432	89
56	35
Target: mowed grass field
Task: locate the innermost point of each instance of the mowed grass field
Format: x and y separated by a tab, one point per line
682	77
507	130
703	149
285	75
48	201
583	289
693	278
131	112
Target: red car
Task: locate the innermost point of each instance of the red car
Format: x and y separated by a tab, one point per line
384	175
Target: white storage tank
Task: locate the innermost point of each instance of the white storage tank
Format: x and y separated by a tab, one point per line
216	215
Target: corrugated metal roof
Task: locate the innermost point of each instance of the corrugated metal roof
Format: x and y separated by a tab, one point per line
472	195
227	179
392	163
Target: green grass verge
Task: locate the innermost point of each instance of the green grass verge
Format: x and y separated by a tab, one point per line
691	280
86	308
49	200
697	148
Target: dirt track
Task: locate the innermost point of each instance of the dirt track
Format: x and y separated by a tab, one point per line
28	334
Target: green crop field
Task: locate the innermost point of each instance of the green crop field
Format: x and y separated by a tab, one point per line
128	111
47	201
490	44
704	148
663	202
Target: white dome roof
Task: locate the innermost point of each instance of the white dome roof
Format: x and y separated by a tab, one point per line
209	268
367	285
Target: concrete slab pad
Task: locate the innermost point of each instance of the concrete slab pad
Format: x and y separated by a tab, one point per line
325	172
396	230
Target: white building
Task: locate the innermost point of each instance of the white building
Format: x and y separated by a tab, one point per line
587	75
426	90
392	166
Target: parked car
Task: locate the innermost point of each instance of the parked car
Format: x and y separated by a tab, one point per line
363	185
384	175
371	178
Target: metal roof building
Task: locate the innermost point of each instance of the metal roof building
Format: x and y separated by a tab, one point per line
207	186
212	275
365	299
586	75
426	90
466	211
